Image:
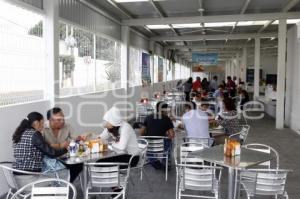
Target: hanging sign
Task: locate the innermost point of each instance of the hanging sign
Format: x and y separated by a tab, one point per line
205	58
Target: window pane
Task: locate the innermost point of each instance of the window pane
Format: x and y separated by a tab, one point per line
108	64
155	65
76	60
22	55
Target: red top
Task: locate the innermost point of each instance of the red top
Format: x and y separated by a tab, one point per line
196	85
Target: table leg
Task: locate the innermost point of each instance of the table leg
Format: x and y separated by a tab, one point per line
231	183
84	180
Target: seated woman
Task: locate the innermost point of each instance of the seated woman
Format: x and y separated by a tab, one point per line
30	147
229	118
123	135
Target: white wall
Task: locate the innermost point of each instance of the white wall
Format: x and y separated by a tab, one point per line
11	116
292	103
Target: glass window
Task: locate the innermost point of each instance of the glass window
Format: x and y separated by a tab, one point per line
135	67
108	64
22	55
177	71
169	71
87	63
76	60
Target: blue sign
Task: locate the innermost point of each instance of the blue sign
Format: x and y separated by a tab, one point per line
205	58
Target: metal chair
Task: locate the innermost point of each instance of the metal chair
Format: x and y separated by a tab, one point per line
183	150
105	176
143	145
242	135
265	149
158	150
49	188
206	141
264	182
9	172
192	174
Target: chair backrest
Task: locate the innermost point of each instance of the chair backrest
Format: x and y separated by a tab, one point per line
265	149
8	172
267	181
206	141
186	148
143	146
104	174
198	177
242	135
49	188
156	144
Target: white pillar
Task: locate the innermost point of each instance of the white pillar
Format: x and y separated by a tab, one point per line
125	37
281	74
237	66
232	68
244	65
226	68
256	67
51	33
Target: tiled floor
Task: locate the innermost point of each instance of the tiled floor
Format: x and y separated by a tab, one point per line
285	141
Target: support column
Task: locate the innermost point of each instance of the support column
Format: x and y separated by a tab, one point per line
151	48
244	65
125	37
51	34
281	72
256	67
232	67
226	68
125	80
237	66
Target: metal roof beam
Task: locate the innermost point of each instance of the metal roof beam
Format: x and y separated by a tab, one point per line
214	18
215	46
212	37
286	8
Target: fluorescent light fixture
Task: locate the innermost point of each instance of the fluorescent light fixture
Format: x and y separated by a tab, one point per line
126	1
251	23
190	25
219	24
158	26
288	21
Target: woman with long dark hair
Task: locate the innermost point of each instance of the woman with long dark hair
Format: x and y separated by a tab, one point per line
29	147
188	85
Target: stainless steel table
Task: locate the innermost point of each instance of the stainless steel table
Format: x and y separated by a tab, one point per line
248	158
93	157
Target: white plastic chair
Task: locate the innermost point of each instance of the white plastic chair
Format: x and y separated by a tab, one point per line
157	150
242	135
264	182
49	188
105	176
8	172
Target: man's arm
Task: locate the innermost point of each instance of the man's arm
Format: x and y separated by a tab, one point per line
143	131
171	133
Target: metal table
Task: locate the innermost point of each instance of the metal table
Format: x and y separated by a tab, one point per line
248	158
93	157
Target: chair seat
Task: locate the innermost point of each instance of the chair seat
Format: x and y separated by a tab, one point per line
249	188
199	186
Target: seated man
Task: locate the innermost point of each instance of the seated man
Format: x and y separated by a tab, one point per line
159	124
195	122
57	133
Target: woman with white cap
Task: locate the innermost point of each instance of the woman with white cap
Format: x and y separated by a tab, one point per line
123	135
